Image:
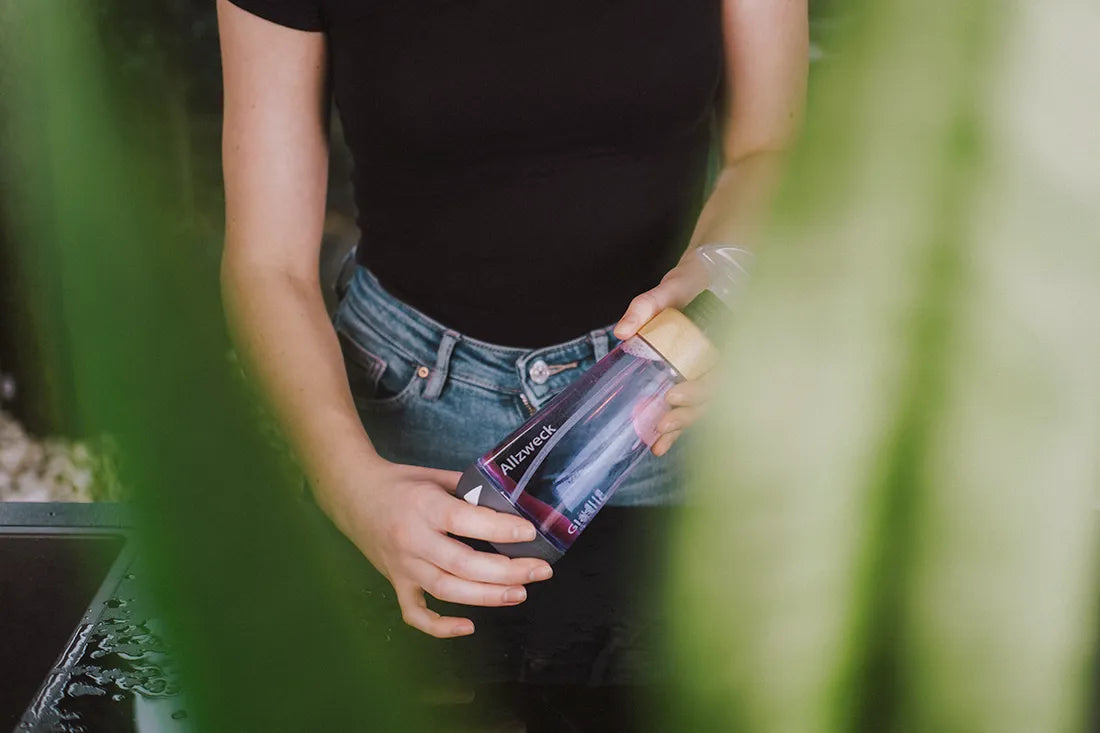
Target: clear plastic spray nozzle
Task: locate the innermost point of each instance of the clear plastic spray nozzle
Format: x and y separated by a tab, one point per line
727	269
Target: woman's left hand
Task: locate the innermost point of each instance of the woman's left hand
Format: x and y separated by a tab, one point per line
688	399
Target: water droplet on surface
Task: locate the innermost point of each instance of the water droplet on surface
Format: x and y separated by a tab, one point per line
179	715
79	689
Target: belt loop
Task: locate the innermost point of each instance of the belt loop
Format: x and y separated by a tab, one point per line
599	343
438	376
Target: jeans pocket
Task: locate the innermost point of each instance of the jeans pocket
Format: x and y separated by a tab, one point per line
379	378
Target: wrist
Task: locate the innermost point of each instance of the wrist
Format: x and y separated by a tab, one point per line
339	475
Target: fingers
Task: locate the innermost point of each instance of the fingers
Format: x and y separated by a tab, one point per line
422	558
677	288
464	520
640	310
416	614
469	564
447	587
694	392
675	421
688	401
664	443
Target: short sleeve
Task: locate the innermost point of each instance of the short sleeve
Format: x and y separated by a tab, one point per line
303	15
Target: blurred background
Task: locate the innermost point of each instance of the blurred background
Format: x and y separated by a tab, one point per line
164	55
898	487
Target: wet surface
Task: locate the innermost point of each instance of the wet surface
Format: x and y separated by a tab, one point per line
46	584
116	670
582	653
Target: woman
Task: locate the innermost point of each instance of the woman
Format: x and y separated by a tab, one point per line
523	171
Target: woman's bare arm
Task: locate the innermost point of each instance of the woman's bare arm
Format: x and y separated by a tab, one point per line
275	157
767	63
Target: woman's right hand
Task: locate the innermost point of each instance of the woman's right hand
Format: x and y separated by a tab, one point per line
399	517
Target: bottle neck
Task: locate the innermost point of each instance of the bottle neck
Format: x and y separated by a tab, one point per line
708	312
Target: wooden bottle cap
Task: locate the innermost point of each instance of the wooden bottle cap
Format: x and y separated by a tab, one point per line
680	342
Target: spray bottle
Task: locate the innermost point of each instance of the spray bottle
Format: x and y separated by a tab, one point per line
561	466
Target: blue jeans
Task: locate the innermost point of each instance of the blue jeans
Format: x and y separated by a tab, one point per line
430	396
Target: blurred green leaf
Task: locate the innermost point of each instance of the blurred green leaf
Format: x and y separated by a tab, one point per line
897	524
276	619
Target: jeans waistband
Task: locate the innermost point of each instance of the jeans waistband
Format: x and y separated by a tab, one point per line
538	372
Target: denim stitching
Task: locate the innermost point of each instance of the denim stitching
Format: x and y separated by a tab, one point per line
385	299
392	402
497	388
369	292
390	341
460	374
438	378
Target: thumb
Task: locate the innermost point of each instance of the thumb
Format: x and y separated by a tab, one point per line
640	310
677	288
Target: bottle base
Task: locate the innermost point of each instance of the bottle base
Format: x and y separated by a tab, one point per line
477	489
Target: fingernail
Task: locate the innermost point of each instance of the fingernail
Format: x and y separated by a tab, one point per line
464	629
671	427
674	398
524	533
515	595
542	573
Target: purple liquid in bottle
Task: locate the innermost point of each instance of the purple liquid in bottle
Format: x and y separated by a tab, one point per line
562	465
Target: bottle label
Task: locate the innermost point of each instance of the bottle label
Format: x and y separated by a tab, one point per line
566	462
514	464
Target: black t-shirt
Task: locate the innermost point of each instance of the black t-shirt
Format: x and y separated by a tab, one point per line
523	168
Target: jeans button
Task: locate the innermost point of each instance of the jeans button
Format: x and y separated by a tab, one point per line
539	372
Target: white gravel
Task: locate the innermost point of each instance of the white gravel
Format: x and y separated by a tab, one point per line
48	469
